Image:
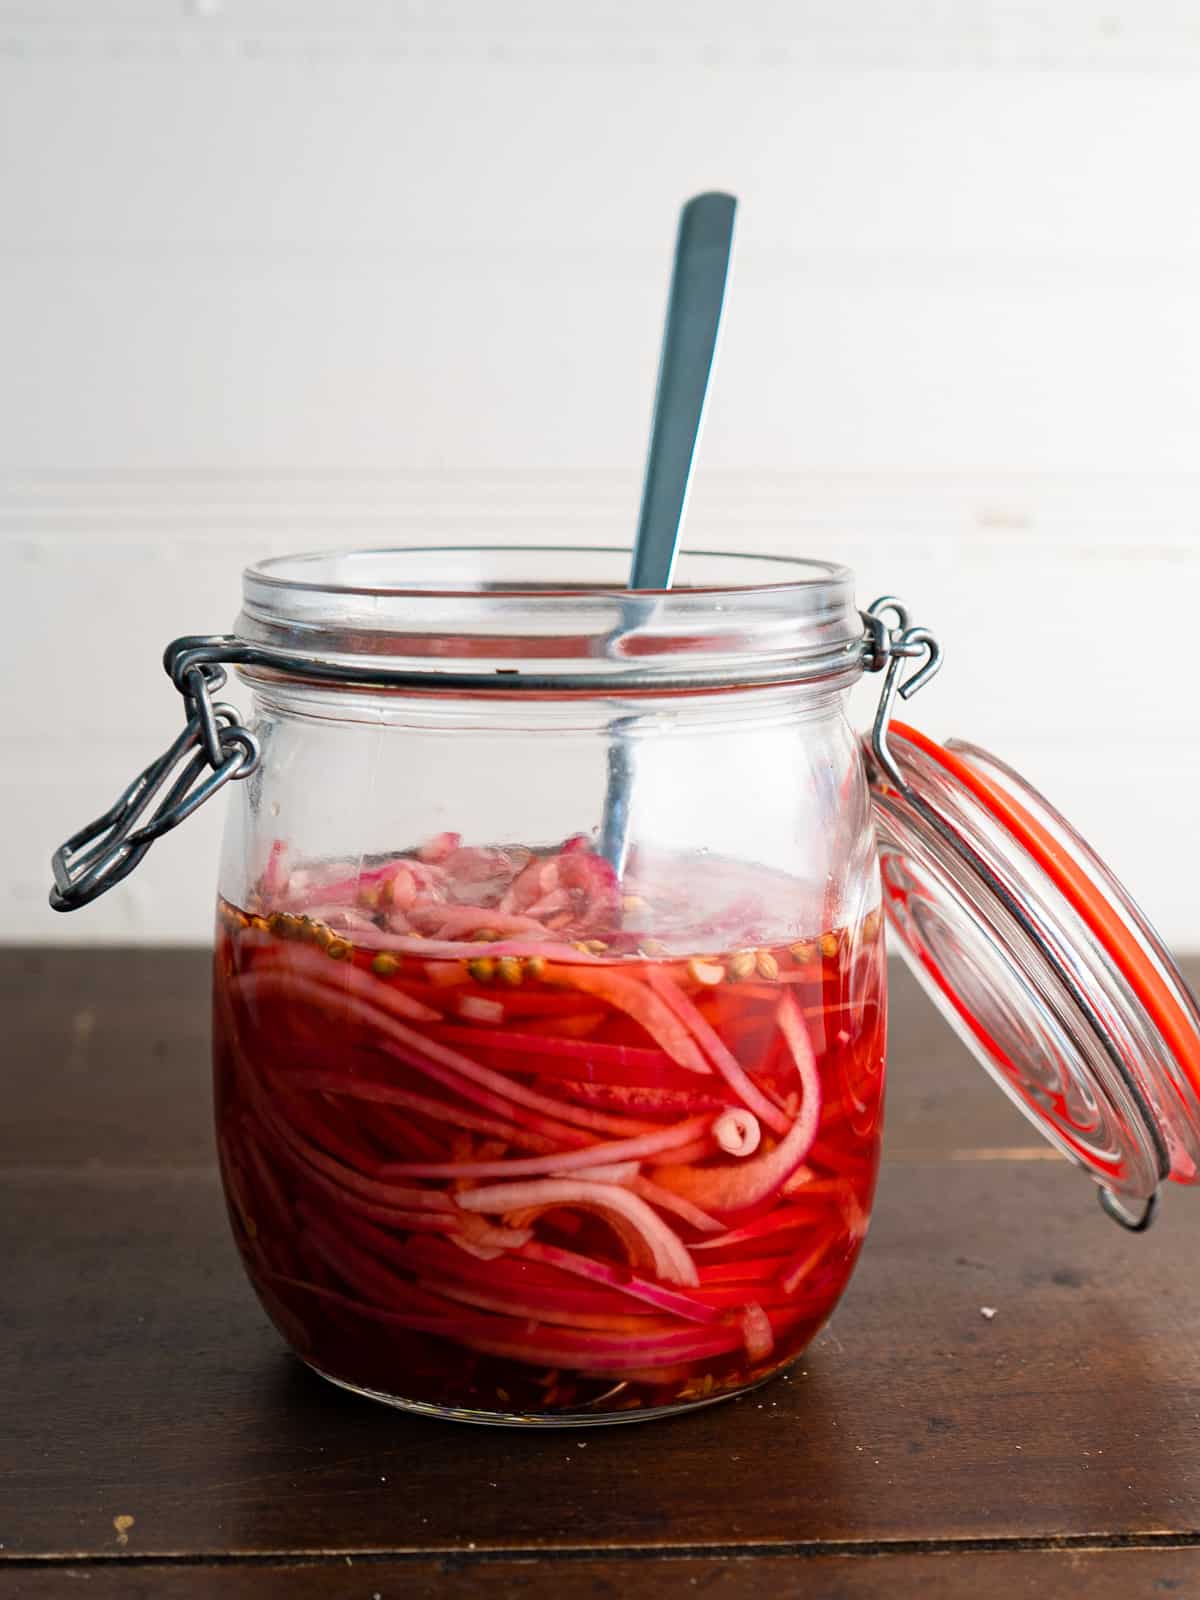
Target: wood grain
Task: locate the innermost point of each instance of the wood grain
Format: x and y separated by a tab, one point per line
948	1575
106	1058
138	1378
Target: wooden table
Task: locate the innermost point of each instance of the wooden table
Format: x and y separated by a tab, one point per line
156	1440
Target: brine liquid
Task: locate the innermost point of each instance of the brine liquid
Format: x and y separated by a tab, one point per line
531	1180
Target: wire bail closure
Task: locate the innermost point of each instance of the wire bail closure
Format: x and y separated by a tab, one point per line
213	748
887	650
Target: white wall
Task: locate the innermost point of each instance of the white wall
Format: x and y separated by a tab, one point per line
279	275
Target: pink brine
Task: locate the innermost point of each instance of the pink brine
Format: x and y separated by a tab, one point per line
488	1149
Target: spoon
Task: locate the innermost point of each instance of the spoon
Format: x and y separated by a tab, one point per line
702	252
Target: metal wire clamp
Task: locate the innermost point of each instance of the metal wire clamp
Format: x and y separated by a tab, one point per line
213	748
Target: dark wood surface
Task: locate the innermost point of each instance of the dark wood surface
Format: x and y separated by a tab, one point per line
1053	1448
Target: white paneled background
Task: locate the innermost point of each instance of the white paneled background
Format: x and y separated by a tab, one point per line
286	273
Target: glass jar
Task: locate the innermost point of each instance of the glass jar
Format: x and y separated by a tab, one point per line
549	990
549	1013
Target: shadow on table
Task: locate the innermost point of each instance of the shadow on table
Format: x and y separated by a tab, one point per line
768	1464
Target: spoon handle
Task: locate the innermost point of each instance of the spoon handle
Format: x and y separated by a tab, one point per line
702	254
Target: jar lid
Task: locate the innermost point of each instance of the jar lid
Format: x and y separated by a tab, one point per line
1042	963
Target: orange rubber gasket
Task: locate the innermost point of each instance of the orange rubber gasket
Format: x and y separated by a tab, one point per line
1082	894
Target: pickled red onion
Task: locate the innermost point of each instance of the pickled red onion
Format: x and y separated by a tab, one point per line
732	1189
719	1053
647	1238
596	1155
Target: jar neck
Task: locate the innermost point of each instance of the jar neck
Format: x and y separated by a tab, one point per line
693	711
522	622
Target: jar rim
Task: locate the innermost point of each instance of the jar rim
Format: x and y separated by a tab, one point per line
555	617
272	571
